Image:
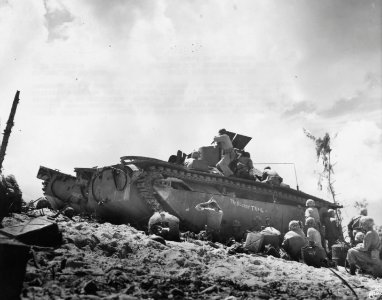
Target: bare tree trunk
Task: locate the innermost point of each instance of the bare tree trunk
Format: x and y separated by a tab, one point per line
8	129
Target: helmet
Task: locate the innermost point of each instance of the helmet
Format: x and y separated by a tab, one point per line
366	221
293	225
310	203
310	222
195	154
359	236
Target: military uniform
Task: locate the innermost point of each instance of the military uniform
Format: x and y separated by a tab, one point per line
271	176
228	153
366	255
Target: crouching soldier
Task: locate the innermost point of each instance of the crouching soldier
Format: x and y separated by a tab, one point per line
315	240
354	225
244	165
365	255
164	225
294	240
271	176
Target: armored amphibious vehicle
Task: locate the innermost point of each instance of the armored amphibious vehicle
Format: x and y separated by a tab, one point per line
132	190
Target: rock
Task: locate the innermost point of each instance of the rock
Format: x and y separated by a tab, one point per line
117	235
209	289
125	250
82	241
90	287
158	239
107	235
127	297
75	263
69	212
109	248
176	292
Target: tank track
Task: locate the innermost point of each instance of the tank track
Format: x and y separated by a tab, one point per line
144	185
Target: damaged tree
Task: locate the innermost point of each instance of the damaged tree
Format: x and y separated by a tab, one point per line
323	151
8	129
10	193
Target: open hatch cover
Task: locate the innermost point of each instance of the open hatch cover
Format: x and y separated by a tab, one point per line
238	141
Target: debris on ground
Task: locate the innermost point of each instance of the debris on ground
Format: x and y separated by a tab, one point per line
106	261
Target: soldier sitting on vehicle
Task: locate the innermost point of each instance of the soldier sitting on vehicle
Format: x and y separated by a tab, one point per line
243	166
188	162
271	176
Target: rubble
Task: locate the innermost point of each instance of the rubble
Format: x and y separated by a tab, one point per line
39	231
106	261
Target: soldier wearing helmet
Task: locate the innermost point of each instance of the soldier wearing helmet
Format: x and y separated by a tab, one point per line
271	176
294	240
332	228
366	255
354	225
312	211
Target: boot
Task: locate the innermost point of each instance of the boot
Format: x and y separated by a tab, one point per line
352	269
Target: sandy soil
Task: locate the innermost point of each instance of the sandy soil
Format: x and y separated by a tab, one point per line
105	261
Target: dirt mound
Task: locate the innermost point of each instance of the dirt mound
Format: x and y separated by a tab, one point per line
105	261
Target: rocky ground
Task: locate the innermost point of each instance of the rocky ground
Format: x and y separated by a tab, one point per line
105	261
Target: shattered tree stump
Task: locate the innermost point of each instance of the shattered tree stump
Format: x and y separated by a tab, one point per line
13	260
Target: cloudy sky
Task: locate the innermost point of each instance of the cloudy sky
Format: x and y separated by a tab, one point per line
103	79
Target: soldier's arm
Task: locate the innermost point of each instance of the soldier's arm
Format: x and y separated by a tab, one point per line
218	138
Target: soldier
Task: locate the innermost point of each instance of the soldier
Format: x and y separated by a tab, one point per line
271	176
332	231
10	196
165	225
366	255
314	237
294	240
228	153
312	211
244	165
354	225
